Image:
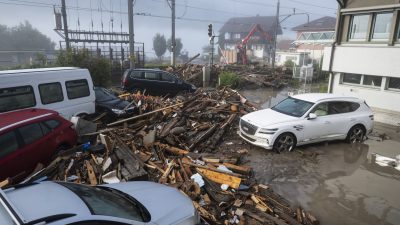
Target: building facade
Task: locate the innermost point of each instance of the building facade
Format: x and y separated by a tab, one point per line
364	61
314	36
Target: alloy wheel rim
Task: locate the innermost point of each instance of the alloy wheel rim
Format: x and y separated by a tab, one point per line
285	143
357	135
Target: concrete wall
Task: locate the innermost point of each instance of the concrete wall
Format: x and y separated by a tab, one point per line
370	60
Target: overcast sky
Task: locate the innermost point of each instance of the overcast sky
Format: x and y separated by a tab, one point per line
193	16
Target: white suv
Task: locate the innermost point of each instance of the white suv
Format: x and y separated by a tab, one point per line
307	118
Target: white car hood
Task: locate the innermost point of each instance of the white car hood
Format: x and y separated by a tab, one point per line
267	117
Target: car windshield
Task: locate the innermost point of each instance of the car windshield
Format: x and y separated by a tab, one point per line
109	202
103	95
293	107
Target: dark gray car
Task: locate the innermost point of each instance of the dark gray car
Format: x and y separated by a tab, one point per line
127	203
155	82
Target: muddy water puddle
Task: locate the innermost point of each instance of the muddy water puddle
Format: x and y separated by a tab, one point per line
338	182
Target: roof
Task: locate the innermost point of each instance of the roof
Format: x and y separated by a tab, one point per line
37	70
326	23
316	97
44	199
14	118
244	24
284	44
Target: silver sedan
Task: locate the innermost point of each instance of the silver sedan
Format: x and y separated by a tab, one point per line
126	203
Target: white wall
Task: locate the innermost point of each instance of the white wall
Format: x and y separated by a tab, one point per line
369	60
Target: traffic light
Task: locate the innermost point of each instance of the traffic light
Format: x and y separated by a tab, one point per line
210	31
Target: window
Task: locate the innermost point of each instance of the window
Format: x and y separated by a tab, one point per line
167	77
52	124
51	93
77	88
374	81
136	74
352	78
108	202
151	75
236	36
8	143
227	36
31	133
16	98
393	83
321	109
359	28
342	107
382	23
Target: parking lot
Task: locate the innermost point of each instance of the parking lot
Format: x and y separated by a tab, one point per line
339	182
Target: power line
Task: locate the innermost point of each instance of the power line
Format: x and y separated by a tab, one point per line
310	4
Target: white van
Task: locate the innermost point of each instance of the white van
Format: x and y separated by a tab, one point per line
66	90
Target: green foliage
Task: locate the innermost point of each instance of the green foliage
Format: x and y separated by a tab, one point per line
178	47
229	79
289	63
23	37
99	68
323	88
159	45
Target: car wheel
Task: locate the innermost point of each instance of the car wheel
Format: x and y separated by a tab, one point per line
356	134
285	143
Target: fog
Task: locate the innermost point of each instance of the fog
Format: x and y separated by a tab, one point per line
193	16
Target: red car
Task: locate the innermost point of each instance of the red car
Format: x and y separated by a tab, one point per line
29	137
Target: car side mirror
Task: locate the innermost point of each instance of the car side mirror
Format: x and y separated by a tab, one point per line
312	116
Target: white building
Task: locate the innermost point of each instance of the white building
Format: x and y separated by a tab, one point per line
365	62
298	58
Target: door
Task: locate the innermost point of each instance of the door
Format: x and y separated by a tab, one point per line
318	128
9	155
169	83
152	82
342	118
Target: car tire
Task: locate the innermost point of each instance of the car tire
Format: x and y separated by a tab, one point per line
356	134
285	142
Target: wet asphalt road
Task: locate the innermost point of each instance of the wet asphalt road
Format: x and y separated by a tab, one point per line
336	181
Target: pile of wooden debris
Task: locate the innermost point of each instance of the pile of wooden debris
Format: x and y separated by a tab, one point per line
176	144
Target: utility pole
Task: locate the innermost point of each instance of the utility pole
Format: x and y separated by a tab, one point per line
131	35
64	15
275	35
173	43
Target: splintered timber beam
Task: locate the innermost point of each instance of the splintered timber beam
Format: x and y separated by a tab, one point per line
143	115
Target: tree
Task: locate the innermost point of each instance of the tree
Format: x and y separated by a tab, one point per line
178	47
99	68
159	45
23	37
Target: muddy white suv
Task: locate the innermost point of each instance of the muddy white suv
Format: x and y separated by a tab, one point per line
307	118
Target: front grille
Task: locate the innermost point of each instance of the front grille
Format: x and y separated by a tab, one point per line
248	138
248	127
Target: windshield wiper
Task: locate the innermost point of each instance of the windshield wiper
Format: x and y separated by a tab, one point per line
51	218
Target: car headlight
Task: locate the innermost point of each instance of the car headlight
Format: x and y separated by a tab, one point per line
118	111
267	130
193	87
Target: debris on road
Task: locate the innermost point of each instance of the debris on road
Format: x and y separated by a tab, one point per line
175	142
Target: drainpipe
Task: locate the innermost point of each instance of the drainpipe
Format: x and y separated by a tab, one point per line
337	35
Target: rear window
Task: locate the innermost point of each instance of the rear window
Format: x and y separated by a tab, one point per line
77	88
51	123
51	93
16	98
136	74
342	107
8	143
31	133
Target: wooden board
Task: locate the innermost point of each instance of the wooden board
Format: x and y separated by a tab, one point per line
221	178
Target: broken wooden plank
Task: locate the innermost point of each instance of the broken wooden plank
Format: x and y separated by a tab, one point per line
171	149
238	169
91	174
233	182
